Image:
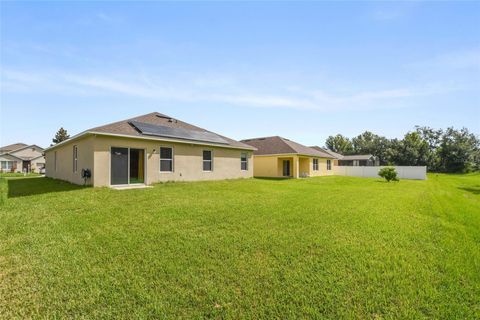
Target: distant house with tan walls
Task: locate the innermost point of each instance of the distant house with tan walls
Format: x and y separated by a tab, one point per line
359	160
21	157
279	157
148	149
356	160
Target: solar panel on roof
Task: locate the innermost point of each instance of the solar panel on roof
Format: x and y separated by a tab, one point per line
168	132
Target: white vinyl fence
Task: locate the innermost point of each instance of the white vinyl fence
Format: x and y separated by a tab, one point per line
404	172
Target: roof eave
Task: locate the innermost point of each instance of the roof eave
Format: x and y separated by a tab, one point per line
294	154
11	155
80	135
75	137
26	147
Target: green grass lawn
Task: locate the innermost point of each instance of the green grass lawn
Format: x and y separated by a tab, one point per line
17	174
328	247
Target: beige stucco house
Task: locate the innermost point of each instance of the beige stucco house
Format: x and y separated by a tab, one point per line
280	157
21	157
148	149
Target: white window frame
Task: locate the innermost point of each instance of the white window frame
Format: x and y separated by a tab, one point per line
75	158
329	165
211	160
8	165
244	161
315	164
172	159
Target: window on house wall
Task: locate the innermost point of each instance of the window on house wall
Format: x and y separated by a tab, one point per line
329	164
75	158
207	160
315	164
7	165
243	161
166	159
55	160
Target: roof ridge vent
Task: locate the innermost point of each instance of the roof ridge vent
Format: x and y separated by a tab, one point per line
163	116
170	119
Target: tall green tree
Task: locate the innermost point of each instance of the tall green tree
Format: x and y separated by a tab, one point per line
476	158
458	150
339	144
412	150
433	138
370	143
60	136
364	143
392	152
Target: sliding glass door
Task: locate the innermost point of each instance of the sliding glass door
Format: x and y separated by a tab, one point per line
119	166
127	166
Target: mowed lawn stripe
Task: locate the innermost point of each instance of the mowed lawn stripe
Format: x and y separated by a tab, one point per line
321	247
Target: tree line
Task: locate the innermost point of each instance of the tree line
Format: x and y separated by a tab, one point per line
448	150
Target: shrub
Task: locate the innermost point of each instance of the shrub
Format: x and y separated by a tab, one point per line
389	173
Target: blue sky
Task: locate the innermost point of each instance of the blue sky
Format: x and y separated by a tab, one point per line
302	70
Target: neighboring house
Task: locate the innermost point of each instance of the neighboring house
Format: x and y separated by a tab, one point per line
280	157
21	157
351	160
335	155
362	160
147	149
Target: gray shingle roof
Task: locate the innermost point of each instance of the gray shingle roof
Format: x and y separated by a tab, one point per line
342	157
125	128
328	152
357	157
279	145
13	147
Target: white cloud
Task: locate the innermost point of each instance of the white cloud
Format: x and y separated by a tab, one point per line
111	85
262	100
197	90
108	18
